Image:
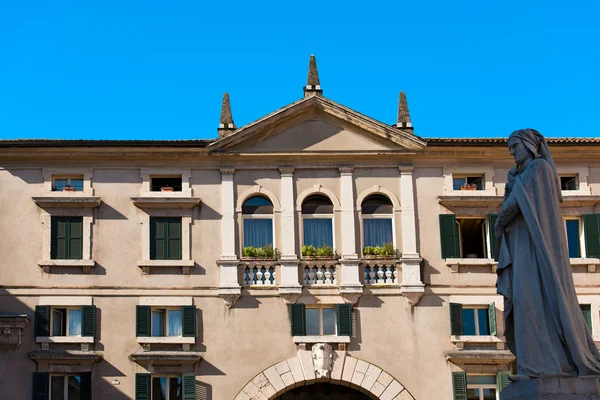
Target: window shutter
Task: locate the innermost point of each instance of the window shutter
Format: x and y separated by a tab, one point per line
591	224
459	385
42	321
494	243
58	238
142	321
142	386
189	386
40	386
298	319
88	321
189	321
75	244
157	238
344	319
448	235
502	380
586	309
86	385
456	323
174	239
492	319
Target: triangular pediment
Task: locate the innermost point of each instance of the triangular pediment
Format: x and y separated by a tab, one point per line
317	124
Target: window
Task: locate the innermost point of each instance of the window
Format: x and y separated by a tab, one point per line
574	236
165	321
467	237
66	240
66	183
377	211
165	184
467	183
165	238
165	387
586	309
569	182
478	386
65	387
65	321
321	321
317	217
472	320
257	214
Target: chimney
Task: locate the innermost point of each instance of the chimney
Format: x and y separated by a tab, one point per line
403	114
226	125
313	86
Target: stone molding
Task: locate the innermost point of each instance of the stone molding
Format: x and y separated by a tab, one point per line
286	171
227	171
254	191
345	370
11	329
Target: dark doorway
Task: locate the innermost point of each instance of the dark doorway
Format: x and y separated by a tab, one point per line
323	391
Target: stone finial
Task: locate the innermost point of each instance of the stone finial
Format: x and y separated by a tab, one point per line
313	85
226	124
403	114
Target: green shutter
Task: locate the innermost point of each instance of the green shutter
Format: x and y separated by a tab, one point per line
88	321
298	319
40	386
157	238
449	236
189	321
456	323
586	309
459	385
591	224
86	386
343	313
75	244
174	239
189	386
142	321
142	386
502	380
494	245
492	319
58	238
42	321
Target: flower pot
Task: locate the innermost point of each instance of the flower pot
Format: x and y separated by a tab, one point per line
166	189
68	189
468	186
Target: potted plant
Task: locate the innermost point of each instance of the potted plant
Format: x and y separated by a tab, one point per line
468	186
68	188
385	251
260	253
166	189
321	252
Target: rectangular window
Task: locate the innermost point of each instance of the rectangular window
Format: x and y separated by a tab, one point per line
258	232
320	321
472	237
318	232
377	231
165	238
167	388
573	237
66	321
167	322
65	387
74	183
165	184
569	182
586	309
475	321
66	242
481	387
467	183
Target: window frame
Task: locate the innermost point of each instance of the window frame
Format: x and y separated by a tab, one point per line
69	178
65	384
168	377
391	216
53	236
146	174
66	317
488	246
320	308
480	386
170	176
569	175
489	188
319	216
466	177
168	220
167	311
476	307
582	247
257	216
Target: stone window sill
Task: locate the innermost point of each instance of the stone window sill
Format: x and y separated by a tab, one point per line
455	263
185	265
67	200
64	339
85	264
322	339
591	263
166	340
166	200
461	340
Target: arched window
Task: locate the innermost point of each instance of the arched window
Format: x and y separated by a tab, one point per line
257	213
317	221
377	211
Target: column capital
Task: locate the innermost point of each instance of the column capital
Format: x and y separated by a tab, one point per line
286	171
227	171
345	170
406	169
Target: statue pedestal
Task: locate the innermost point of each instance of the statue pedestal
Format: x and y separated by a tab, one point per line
553	389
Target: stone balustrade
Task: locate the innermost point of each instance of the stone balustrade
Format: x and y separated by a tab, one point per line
259	273
380	272
319	272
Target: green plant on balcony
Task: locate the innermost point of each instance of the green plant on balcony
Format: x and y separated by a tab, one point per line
264	252
322	251
309	251
387	250
325	251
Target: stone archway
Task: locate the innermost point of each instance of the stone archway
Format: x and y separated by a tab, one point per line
345	370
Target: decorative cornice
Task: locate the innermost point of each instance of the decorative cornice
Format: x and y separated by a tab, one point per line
346	170
406	169
227	171
286	171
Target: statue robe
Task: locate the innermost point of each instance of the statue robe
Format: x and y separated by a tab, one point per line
544	325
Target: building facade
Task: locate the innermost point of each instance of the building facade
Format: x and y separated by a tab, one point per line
313	253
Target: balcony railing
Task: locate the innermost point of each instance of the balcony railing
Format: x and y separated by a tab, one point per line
380	271
319	272
259	273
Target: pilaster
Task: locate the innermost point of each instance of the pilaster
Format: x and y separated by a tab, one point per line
229	288
289	286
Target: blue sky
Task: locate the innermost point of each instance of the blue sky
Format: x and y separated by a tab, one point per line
157	70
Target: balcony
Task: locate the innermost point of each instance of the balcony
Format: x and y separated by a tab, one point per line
380	271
